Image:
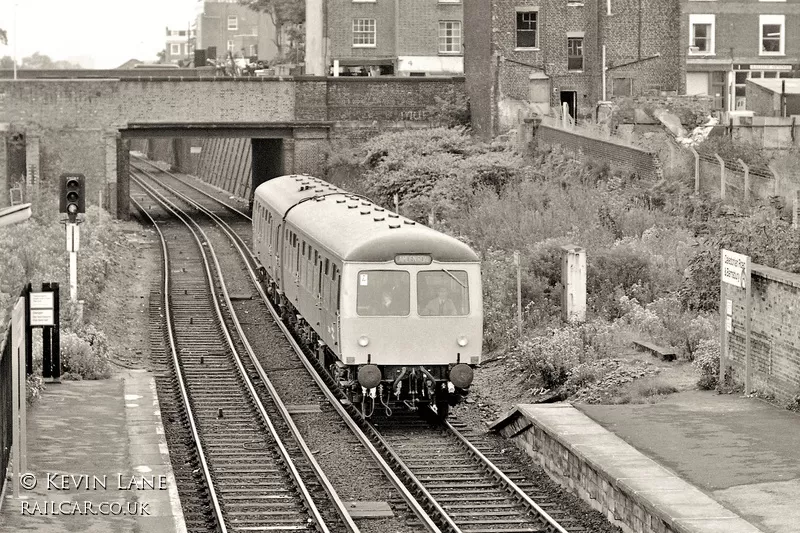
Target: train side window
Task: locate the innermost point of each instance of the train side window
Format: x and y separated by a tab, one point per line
327	266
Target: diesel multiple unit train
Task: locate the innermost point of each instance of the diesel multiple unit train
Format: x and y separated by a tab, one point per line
392	308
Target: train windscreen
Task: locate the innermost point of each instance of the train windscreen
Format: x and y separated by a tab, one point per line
383	293
442	293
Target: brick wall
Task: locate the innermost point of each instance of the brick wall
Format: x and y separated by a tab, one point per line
387	99
617	155
340	28
762	101
775	332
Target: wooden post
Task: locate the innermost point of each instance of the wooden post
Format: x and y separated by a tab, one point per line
518	264
746	181
748	368
723	334
721	176
696	170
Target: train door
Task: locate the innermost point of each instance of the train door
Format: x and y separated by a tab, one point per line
329	316
278	262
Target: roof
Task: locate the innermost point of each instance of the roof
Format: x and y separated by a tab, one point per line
775	85
353	228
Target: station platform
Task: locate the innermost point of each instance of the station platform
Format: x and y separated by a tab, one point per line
97	461
696	462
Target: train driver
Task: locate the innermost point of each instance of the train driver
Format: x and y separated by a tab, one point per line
441	304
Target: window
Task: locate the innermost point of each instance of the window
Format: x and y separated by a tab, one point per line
233	22
527	28
174	49
449	37
442	293
363	33
230	46
383	293
772	34
574	53
701	34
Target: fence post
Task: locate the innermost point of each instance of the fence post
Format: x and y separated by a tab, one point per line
722	183
746	181
696	170
775	184
796	210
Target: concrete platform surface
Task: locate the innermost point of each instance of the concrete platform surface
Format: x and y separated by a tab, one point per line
97	462
743	452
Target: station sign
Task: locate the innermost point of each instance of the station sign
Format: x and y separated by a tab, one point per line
733	268
41	304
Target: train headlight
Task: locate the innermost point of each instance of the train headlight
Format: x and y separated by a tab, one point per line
461	375
462	340
363	341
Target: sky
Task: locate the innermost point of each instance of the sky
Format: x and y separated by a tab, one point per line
105	33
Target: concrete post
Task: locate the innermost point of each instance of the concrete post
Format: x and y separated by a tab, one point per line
671	148
776	188
315	47
721	176
573	279
746	181
696	170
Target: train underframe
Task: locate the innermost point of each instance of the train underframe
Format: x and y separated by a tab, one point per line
427	388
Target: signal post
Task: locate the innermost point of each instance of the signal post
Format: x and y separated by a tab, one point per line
72	201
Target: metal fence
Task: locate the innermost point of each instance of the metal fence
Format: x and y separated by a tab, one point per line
6	405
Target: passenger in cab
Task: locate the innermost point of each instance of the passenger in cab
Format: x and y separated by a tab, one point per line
388	306
441	305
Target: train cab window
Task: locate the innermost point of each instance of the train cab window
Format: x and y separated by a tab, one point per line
383	293
442	293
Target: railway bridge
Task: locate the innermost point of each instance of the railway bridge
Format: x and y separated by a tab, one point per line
85	124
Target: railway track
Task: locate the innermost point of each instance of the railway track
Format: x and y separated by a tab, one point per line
454	480
252	481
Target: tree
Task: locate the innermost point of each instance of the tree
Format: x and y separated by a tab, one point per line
162	56
6	62
287	16
3	36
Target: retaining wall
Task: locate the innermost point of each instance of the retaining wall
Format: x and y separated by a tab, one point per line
615	154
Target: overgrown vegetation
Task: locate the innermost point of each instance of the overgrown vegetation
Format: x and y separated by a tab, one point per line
652	248
34	252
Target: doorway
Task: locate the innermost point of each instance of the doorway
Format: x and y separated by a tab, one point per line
571	99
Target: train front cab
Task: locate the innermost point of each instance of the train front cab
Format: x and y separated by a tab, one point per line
397	312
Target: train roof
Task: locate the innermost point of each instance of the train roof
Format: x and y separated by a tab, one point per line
352	227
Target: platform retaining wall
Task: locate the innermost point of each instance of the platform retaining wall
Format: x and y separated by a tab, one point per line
576	473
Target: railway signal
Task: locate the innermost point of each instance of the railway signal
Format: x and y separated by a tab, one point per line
72	199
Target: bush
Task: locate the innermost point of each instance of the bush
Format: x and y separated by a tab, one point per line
553	358
80	361
706	362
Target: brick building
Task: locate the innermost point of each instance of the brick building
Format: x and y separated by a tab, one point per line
224	25
178	45
395	37
526	57
727	42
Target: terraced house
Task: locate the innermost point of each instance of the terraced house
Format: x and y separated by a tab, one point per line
726	42
394	37
531	56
